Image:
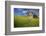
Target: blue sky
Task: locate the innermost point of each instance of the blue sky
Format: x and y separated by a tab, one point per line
23	11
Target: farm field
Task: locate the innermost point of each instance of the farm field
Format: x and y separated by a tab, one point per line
24	21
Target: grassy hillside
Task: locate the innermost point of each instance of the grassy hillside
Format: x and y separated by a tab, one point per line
24	21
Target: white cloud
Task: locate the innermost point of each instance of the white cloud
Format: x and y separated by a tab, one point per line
24	11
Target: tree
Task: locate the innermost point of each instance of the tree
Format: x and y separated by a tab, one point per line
29	13
35	16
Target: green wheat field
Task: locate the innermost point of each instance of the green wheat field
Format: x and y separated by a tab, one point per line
24	21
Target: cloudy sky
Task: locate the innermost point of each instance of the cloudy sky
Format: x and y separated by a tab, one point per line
23	11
